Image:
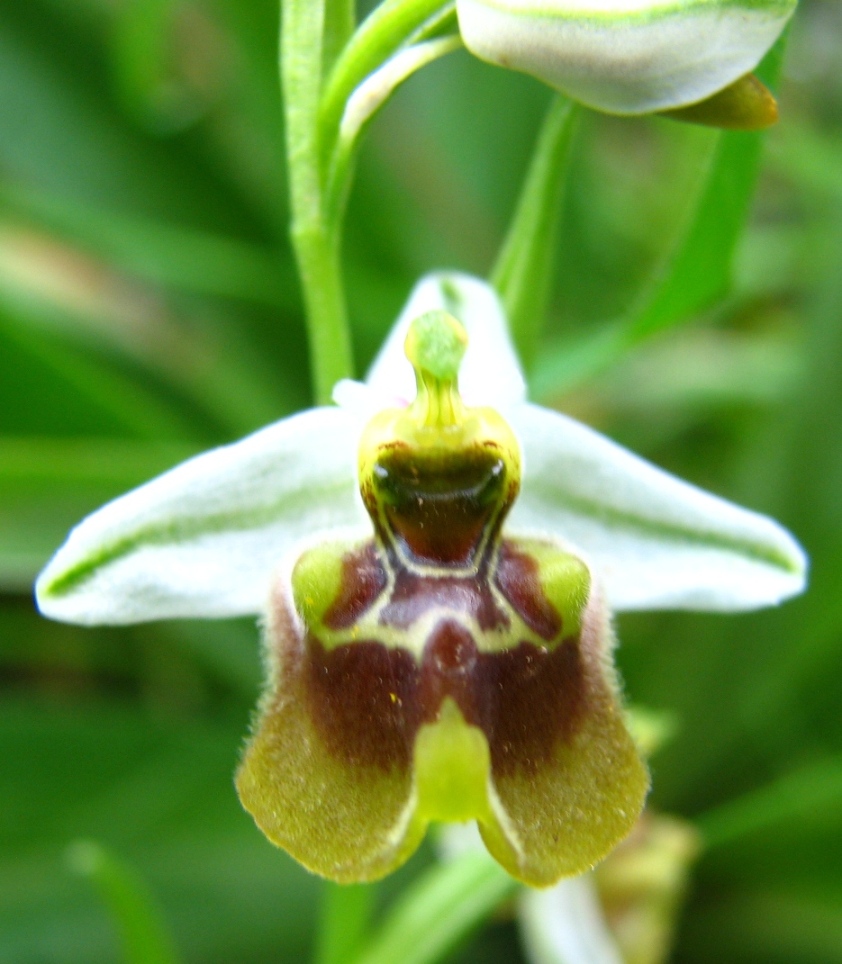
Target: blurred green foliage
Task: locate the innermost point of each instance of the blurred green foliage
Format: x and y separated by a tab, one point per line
149	308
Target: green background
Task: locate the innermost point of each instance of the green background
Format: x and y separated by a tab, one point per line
149	309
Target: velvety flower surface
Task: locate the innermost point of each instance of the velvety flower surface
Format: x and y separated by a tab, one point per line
626	56
435	563
624	912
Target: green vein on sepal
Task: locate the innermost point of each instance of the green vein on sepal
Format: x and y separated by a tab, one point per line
179	530
667	532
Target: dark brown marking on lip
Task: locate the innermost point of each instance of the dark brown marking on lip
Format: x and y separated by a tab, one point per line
437	505
533	699
448	669
518	579
363	580
524	699
363	698
414	595
369	700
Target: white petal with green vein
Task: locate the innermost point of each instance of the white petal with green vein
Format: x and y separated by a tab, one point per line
626	56
204	538
654	541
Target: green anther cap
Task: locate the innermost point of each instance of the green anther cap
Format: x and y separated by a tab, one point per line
436	344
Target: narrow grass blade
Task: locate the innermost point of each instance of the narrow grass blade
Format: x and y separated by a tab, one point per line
439	911
143	934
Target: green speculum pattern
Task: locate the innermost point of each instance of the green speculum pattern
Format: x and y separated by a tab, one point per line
441	671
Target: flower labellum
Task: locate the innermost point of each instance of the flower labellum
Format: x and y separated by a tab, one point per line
439	670
626	56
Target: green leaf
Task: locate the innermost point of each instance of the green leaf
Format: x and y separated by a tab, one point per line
165	253
59	129
346	911
150	780
695	274
121	404
771	923
523	274
439	910
790	799
47	485
143	935
142	36
58	295
809	156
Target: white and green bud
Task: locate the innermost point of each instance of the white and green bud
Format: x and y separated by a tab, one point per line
626	56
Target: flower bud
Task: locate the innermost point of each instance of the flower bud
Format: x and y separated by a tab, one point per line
626	56
643	884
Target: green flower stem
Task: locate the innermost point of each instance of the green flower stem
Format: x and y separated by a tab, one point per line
524	271
340	20
345	915
313	34
387	27
399	68
442	24
316	245
439	910
144	936
318	257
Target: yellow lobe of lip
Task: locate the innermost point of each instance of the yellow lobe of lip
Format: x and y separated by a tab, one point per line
452	765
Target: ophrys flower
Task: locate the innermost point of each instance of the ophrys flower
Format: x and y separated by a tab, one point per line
438	649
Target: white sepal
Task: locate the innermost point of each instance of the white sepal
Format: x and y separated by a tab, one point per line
565	925
490	372
204	538
654	541
626	56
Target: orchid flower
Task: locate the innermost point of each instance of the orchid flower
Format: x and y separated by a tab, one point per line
434	563
635	56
